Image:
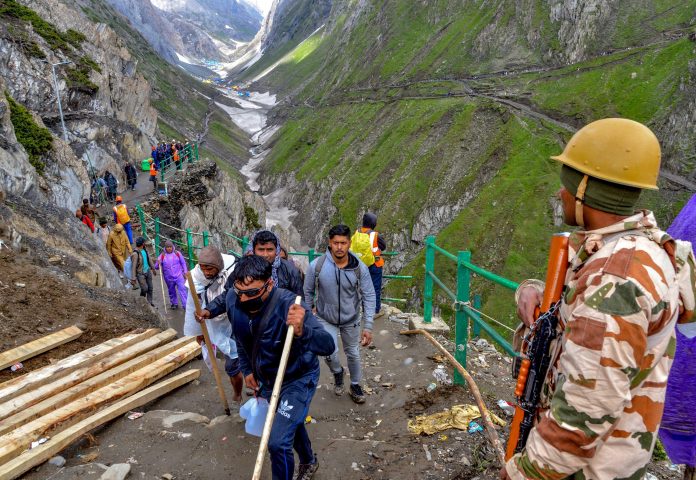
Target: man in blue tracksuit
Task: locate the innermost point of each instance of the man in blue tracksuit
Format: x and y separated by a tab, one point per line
260	314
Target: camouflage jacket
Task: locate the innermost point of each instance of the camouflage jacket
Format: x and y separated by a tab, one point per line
627	286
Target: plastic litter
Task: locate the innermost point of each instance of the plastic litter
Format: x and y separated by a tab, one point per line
459	416
206	358
309	419
506	407
135	415
475	427
408	361
254	412
442	438
16	366
441	375
431	387
428	455
38	442
399	346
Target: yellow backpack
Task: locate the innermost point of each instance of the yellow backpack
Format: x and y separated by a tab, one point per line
122	214
361	246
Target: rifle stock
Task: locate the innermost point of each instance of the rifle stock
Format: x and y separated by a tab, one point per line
532	367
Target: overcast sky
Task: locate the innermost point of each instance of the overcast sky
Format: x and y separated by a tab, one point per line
262	5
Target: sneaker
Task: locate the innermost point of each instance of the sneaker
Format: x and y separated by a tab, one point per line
120	275
356	393
338	383
380	314
307	470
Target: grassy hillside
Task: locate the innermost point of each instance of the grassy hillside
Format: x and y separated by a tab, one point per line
447	115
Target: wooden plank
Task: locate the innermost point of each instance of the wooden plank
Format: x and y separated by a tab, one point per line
49	373
38	346
20	405
90	385
36	456
14	443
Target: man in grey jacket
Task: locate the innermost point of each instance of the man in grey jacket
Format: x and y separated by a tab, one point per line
336	285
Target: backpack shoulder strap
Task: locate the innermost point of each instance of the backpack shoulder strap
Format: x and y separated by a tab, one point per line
317	270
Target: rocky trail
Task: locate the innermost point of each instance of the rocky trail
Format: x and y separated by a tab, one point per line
185	435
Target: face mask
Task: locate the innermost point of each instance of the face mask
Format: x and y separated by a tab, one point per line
251	306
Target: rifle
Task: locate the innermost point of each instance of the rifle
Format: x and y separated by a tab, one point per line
531	366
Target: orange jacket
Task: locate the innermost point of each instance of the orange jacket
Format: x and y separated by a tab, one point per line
379	261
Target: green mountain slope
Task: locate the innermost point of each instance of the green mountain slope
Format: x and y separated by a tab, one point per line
441	117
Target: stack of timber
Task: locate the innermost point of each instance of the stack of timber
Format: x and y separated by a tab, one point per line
63	401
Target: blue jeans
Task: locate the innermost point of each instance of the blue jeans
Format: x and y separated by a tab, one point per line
376	275
289	430
129	231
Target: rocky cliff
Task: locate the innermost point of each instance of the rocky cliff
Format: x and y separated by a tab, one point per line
204	198
108	117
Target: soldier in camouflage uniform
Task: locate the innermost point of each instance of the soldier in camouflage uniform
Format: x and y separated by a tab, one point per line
628	284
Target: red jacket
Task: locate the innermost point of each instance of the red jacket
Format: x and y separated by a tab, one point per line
88	222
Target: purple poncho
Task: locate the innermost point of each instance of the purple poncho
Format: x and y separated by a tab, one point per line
678	427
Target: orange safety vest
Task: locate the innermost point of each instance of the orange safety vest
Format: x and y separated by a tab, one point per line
379	261
121	212
153	170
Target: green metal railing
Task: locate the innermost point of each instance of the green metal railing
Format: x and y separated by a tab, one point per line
153	226
466	306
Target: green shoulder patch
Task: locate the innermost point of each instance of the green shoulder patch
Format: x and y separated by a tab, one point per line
622	301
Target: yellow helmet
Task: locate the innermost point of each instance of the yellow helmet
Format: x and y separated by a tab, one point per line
617	150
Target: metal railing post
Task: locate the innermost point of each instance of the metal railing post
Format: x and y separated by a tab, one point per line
206	238
311	255
141	217
245	244
428	288
461	318
475	327
189	247
157	236
195	147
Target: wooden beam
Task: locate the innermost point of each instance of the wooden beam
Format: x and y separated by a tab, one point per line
36	456
14	443
38	346
20	405
49	373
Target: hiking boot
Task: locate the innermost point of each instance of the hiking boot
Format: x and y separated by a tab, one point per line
356	393
338	383
380	314
307	470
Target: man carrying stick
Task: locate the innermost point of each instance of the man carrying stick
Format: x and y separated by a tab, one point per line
260	314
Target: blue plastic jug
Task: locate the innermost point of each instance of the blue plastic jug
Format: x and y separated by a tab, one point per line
254	412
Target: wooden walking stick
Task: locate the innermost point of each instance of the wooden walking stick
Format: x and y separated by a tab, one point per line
208	344
164	298
273	404
490	429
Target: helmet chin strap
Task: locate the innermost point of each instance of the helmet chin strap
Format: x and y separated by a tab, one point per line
579	197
